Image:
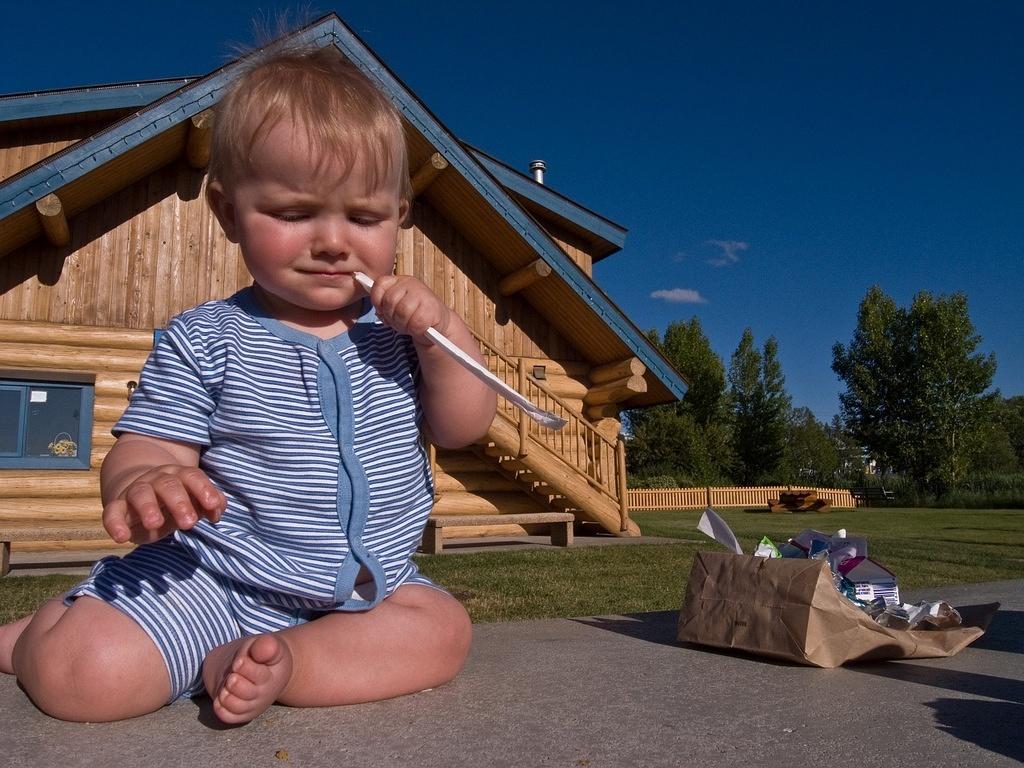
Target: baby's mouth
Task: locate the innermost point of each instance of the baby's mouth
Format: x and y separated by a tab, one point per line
327	273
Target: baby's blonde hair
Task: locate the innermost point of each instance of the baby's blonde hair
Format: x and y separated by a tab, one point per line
343	114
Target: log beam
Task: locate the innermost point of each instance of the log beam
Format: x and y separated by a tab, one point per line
616	391
608	428
197	146
53	221
596	413
521	278
620	369
427	172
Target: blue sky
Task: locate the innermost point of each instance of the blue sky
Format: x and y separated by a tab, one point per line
771	161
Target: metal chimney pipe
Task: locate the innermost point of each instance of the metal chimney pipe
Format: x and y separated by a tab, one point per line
537	168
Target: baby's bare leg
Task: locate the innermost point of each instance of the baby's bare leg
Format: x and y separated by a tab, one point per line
9	634
89	662
418	638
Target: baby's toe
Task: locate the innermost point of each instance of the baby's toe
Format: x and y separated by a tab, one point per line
253	671
266	649
231	709
241	687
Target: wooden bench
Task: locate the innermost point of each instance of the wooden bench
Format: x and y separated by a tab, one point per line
561	526
871	495
27	531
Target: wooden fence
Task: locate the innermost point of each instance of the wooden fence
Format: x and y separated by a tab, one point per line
696	498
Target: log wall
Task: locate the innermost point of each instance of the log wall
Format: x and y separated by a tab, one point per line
114	356
135	259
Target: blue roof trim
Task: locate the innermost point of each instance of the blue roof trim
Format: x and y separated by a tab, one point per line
81	158
521	185
92	99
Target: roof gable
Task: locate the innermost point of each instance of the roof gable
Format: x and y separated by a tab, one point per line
75	162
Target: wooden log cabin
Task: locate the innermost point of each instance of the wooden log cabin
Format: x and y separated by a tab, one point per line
105	234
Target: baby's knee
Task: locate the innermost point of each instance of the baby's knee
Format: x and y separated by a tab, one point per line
452	633
64	676
83	673
459	629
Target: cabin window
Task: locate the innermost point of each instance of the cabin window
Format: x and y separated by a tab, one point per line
45	424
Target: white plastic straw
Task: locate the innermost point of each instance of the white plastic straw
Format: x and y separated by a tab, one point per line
542	417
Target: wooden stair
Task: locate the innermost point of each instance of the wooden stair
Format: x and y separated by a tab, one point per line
548	479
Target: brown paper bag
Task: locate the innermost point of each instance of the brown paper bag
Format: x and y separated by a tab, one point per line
790	609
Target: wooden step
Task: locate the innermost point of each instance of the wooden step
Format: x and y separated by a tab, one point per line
461	461
561	526
45	534
560	502
510	464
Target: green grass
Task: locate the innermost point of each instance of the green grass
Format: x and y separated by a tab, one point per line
926	548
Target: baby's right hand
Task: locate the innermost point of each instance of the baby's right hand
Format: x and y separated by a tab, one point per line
164	499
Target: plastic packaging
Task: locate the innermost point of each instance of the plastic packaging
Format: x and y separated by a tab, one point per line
767	548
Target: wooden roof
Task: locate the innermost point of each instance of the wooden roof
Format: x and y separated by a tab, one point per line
477	203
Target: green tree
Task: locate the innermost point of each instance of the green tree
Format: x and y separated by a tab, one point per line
849	453
1002	446
759	408
687	439
674	444
915	387
688	348
1010	415
811	456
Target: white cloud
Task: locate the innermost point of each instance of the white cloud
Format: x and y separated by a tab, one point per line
730	252
680	296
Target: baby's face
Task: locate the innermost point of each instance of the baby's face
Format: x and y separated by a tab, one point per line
305	224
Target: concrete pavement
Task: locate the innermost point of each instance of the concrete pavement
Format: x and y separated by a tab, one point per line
603	691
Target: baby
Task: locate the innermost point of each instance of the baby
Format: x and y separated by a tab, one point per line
269	465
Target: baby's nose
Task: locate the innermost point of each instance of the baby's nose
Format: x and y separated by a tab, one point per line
331	238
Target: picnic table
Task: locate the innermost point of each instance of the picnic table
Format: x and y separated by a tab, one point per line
799	501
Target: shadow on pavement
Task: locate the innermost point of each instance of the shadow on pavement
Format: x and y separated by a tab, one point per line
976	684
992	725
1005	633
654	627
660	627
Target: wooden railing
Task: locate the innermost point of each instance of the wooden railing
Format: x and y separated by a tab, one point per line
579	444
695	498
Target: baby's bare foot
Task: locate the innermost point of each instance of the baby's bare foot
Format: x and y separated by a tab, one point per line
9	634
252	678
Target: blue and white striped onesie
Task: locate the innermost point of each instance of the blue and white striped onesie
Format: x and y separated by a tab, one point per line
316	446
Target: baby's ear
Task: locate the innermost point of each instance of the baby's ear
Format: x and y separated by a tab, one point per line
405	214
223	209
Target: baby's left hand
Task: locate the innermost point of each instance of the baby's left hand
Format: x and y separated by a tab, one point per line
410	307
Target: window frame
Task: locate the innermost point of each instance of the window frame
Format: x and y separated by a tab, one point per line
24	382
